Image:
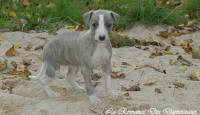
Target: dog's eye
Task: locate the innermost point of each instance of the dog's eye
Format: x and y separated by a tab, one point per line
95	25
108	25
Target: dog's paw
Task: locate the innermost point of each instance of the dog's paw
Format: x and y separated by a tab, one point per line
33	77
94	100
113	95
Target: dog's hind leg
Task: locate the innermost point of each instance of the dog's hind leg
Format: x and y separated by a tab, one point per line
46	79
70	77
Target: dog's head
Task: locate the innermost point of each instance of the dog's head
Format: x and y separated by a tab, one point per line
101	22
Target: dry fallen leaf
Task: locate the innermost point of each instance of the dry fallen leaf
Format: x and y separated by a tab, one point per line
39	47
26	61
70	27
96	77
196	53
122	34
191	23
126	94
178	84
26	3
38	27
18	46
96	84
114	75
28	47
195	76
150	81
134	88
157	90
125	63
14	64
12	14
12	52
80	28
63	91
51	4
3	64
155	53
1	38
167	48
163	34
176	33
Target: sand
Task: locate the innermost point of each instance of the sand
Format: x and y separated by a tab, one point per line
29	98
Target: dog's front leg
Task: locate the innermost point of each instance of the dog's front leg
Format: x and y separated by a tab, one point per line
87	72
107	78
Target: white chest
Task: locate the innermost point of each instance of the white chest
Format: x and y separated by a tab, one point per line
100	56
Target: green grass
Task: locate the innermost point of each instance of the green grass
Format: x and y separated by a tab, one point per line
40	17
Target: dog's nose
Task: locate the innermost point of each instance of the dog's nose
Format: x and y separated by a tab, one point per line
102	37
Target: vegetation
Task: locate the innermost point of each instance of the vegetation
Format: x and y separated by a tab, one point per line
51	15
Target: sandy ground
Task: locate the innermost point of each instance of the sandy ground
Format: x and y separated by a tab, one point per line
28	97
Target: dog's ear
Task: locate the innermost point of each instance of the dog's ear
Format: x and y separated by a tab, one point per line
87	16
115	16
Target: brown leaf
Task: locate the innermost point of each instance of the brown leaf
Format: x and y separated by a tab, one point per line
80	28
178	84
134	88
70	27
150	81
126	94
167	48
125	63
12	14
114	75
96	84
63	91
39	47
16	27
12	52
96	77
28	47
191	23
157	90
155	53
176	33
14	64
195	76
3	64
163	34
196	53
26	3
26	62
146	48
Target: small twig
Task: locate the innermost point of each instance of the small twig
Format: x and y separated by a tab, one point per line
75	22
174	91
181	59
138	82
150	66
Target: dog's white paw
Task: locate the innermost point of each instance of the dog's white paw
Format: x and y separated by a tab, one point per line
94	100
113	95
33	77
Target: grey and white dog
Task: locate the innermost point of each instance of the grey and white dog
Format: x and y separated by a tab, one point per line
81	50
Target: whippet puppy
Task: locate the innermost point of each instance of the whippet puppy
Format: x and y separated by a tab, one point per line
81	50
